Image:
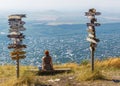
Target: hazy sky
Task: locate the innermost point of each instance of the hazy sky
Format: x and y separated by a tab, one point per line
106	5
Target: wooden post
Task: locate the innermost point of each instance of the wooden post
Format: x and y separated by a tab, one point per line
92	59
92	33
15	22
92	47
17	68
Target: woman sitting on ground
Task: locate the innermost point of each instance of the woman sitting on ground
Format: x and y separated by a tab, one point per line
47	61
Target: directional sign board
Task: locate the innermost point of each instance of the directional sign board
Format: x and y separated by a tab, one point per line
91	17
17	53
16	46
95	24
97	40
93	20
91	40
20	15
13	30
91	35
16	27
16	36
90	13
21	29
19	57
16	22
90	27
92	31
17	16
93	45
15	33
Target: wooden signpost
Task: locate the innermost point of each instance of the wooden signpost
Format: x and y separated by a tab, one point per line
92	33
16	26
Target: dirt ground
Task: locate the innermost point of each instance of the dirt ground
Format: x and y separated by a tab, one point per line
71	81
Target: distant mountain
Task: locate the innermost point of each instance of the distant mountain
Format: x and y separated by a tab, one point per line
54	17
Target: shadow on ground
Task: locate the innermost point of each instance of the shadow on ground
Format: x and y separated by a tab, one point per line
114	80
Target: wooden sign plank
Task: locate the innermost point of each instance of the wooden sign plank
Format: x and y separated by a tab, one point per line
17	53
95	24
93	40
92	14
16	36
10	46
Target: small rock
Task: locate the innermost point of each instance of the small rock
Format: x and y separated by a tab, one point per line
56	80
70	77
51	80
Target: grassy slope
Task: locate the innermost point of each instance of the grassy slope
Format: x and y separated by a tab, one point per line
107	73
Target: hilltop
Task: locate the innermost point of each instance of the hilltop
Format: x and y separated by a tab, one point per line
107	73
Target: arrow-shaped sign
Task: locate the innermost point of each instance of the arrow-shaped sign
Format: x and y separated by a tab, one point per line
95	24
92	40
92	14
16	46
19	57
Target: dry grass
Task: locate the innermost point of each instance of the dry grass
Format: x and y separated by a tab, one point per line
10	70
103	69
87	75
111	62
6	71
67	65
